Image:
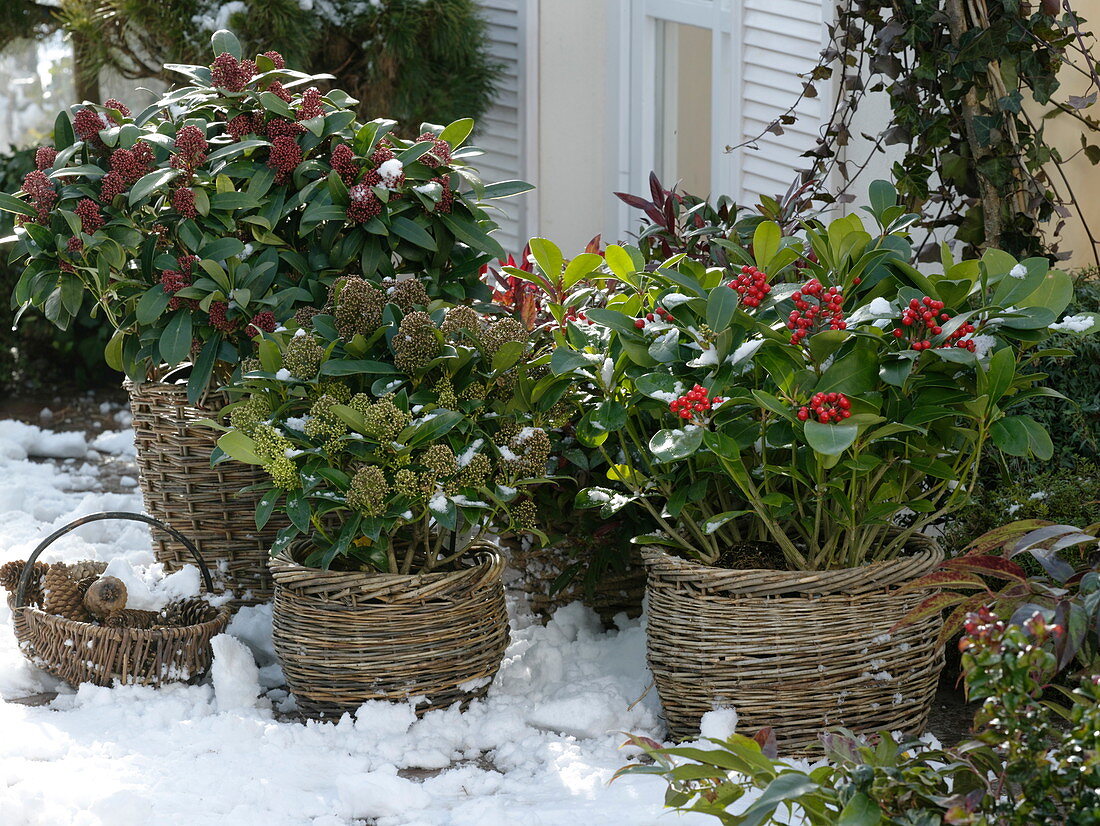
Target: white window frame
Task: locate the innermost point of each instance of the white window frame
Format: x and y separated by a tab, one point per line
633	93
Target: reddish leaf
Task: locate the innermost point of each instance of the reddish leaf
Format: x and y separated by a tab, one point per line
994	566
595	245
766	740
954	622
944	579
656	191
991	540
933	605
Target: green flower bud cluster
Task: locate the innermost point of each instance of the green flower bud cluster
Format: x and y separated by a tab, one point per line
531	448
474	390
248	414
358	308
416	342
408	294
324	423
440	460
501	332
284	473
250	365
270	443
368	491
304	317
476	472
337	389
385	420
302	357
459	319
360	403
526	515
445	394
408	483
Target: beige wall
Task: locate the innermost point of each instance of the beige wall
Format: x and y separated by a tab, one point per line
573	122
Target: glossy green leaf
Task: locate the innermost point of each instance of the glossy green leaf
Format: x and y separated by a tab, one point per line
830	439
672	444
175	341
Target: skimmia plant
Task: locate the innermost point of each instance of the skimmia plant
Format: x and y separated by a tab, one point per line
394	429
219	209
815	393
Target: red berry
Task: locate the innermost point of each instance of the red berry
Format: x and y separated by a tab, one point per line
639	324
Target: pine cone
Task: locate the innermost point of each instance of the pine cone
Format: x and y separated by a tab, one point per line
133	618
184	612
10	572
86	583
105	596
61	595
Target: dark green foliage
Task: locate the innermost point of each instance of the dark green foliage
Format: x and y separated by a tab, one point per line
35	354
410	60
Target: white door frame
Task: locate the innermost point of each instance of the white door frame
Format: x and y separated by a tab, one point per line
633	92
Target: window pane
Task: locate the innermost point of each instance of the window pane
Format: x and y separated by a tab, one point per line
682	146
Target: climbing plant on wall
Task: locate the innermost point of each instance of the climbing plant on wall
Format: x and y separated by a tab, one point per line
972	85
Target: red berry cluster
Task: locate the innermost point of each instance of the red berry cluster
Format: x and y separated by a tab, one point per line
127	165
694	401
439	155
39	189
88	213
284	158
342	161
826	408
183	202
264	321
311	104
752	285
571	315
228	73
192	146
219	317
924	318
87	124
363	204
44	157
809	318
658	314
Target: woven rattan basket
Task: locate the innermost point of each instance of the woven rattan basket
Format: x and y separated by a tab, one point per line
345	638
797	651
535	570
83	652
205	503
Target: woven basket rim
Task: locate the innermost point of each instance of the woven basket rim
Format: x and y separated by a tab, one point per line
874	576
283	562
224	615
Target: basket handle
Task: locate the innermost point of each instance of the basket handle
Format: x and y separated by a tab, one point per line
25	578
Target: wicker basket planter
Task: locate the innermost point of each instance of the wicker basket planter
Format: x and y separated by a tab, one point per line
182	490
535	570
797	651
84	652
345	638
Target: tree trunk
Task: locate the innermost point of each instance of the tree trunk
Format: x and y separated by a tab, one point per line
85	75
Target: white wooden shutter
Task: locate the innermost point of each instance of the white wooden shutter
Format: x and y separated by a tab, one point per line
502	131
780	39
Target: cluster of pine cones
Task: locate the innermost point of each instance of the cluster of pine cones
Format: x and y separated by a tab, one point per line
79	592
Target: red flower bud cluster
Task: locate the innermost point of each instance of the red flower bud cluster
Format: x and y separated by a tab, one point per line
752	285
826	408
127	165
44	157
279	128
381	154
87	124
277	89
175	280
925	318
76	244
809	318
88	213
277	59
119	106
439	154
264	321
219	317
694	401
343	163
311	104
363	204
183	202
245	124
192	146
447	197
43	196
284	158
228	73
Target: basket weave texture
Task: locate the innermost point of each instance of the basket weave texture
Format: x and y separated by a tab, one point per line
181	489
82	652
346	638
797	651
536	570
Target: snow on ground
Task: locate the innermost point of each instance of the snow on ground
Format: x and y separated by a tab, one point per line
539	750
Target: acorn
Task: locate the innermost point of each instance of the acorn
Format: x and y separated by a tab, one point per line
105	596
